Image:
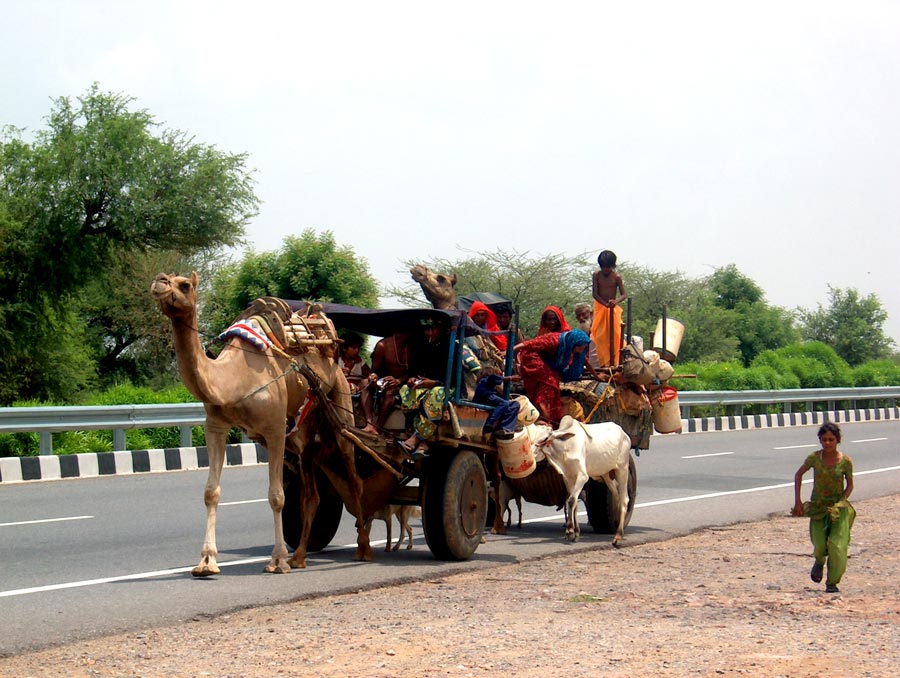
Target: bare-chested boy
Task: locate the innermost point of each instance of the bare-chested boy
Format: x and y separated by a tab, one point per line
390	369
609	292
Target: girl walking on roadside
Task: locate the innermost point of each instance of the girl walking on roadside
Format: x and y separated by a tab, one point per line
830	514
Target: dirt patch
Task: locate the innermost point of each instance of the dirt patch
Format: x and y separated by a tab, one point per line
725	601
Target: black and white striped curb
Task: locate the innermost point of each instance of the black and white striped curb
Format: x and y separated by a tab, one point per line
51	467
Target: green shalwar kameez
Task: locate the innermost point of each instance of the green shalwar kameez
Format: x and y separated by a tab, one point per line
830	515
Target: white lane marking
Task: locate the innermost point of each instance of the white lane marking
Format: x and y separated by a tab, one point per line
713	454
751	489
46	520
245	501
793	447
852	442
246	561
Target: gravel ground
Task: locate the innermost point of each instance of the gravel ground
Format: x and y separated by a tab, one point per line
735	600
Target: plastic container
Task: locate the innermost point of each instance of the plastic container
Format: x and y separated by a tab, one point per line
528	413
674	334
516	455
666	412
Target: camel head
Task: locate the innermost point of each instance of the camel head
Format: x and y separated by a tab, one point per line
438	288
176	295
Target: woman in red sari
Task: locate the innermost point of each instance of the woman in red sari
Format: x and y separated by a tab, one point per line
485	318
553	320
547	360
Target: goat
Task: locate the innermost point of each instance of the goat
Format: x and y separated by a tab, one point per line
404	514
582	451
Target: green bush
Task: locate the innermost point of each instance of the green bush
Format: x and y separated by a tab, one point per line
126	394
79	442
19	444
877	373
814	364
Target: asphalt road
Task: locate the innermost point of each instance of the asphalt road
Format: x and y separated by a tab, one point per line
87	557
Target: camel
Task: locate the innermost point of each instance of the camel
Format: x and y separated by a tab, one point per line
438	288
259	392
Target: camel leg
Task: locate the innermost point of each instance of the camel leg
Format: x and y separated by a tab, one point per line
215	446
309	504
355	484
275	446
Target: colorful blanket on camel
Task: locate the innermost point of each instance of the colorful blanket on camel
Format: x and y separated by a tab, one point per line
248	330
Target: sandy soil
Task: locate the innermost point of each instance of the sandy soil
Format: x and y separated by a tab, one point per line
728	601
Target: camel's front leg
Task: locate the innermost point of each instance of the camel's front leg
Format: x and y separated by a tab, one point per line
215	446
279	563
355	484
309	503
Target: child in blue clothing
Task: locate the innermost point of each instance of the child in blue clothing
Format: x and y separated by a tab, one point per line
505	412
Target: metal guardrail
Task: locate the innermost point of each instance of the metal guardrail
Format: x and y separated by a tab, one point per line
809	396
119	418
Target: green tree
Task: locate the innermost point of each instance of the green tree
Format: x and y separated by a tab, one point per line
531	282
708	328
310	266
733	289
757	326
99	184
852	325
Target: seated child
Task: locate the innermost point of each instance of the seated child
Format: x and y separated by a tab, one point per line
505	412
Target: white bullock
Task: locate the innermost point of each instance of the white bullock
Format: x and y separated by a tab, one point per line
582	451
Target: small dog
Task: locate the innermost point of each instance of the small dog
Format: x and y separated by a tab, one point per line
404	514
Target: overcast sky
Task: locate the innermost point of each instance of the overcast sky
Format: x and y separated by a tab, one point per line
682	135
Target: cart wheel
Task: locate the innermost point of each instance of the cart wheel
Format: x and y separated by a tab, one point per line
603	514
454	505
328	514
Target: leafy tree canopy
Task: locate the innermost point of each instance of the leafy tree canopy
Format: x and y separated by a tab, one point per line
708	329
98	182
732	288
311	266
531	282
851	324
95	191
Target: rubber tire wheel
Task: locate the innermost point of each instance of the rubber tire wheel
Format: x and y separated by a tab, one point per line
603	514
328	514
454	505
